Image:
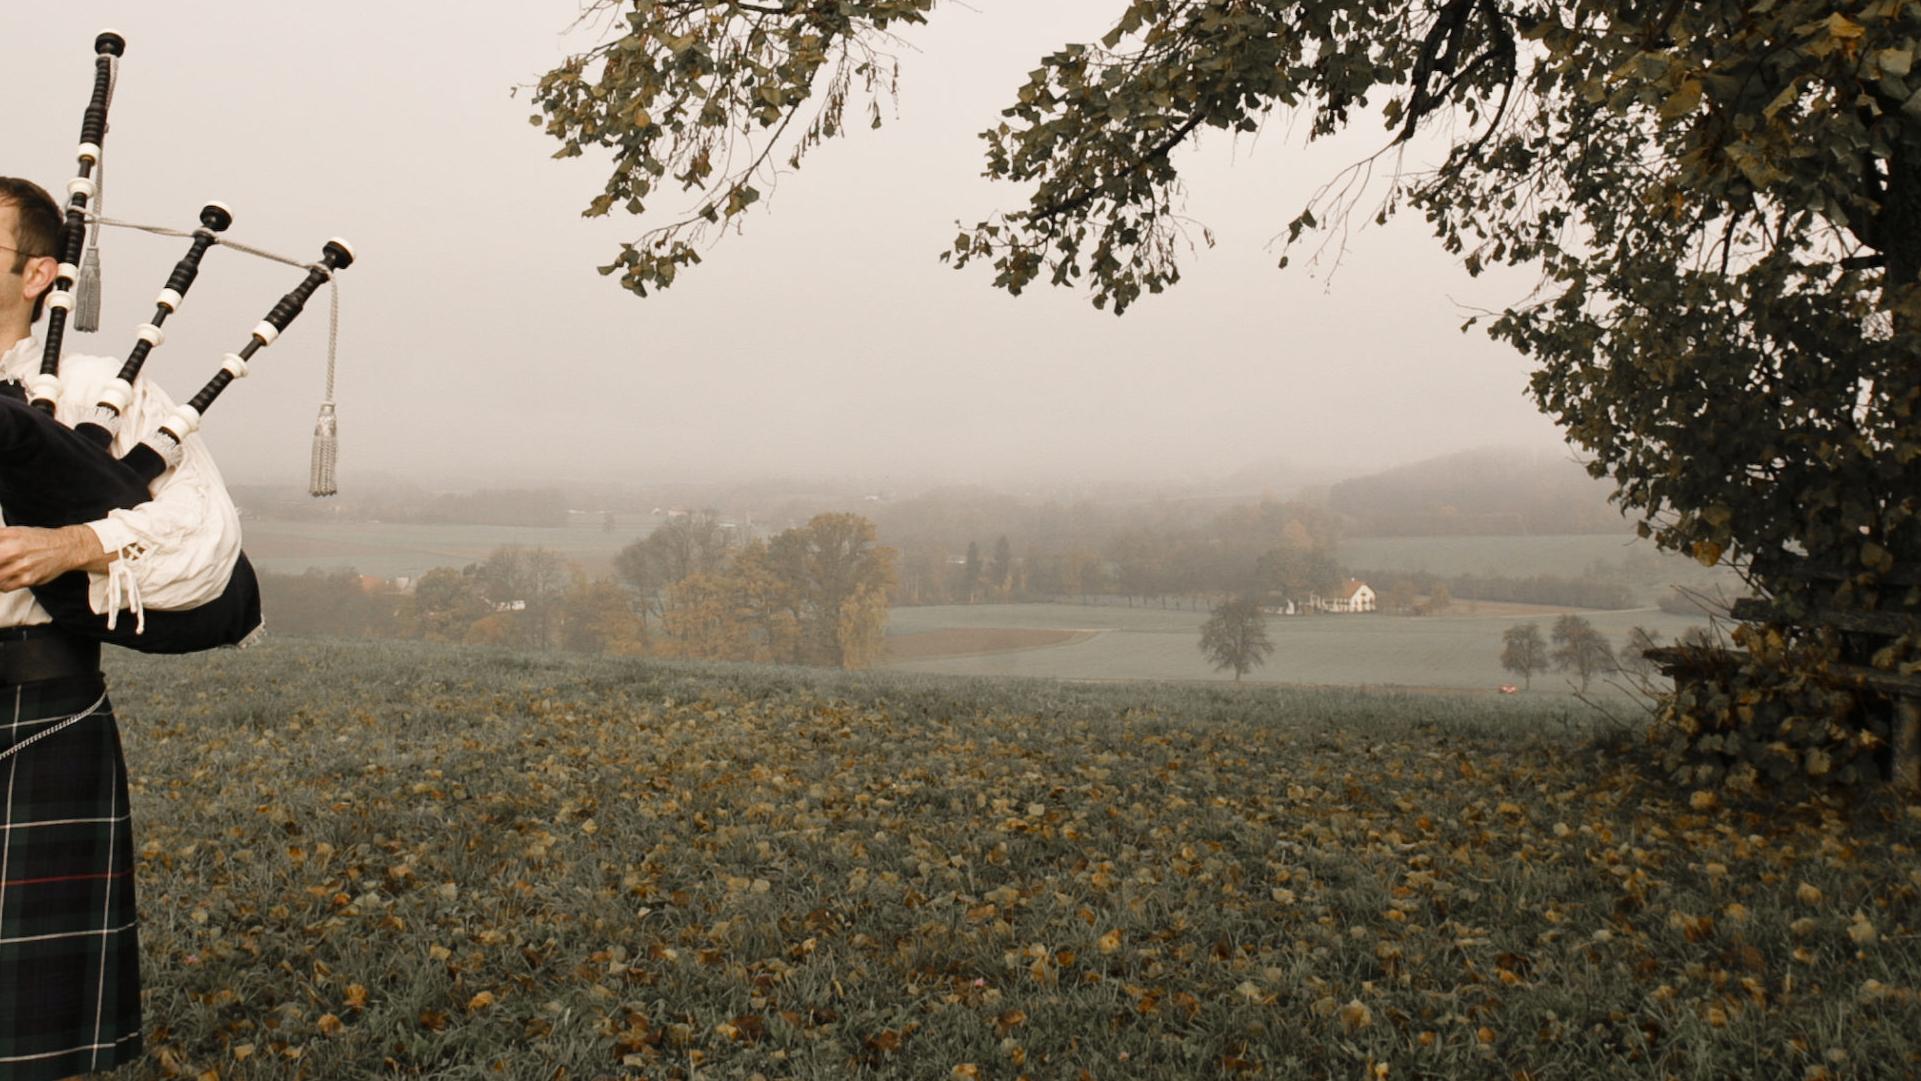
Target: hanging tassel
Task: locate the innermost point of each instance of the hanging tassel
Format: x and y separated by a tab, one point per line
86	306
320	479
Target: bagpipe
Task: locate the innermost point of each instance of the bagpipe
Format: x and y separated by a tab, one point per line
54	475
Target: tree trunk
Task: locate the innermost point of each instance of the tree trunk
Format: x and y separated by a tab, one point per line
1898	226
1907	747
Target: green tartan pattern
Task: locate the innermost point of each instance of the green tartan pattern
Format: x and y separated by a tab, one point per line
69	934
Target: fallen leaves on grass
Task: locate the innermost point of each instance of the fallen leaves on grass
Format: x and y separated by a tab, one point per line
400	872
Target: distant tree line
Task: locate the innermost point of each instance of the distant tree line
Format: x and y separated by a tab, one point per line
1577	647
1401	591
815	594
1478	493
1273	550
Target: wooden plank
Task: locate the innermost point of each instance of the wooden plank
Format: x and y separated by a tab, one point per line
1823	571
1671	659
1879	679
1689	659
1892	624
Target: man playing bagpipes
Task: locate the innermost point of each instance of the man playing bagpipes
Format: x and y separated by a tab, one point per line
69	949
116	528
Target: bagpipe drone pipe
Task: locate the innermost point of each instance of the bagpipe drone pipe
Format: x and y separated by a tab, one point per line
53	475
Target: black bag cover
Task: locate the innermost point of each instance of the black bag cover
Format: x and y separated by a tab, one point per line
52	476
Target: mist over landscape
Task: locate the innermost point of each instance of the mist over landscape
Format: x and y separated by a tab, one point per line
479	346
970	539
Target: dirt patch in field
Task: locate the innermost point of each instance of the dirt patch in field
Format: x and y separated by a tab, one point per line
973	641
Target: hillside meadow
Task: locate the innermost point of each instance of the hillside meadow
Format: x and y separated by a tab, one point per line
1456	652
397	859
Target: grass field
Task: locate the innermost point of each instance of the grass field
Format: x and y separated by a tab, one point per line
389	550
972	641
395	859
1446	651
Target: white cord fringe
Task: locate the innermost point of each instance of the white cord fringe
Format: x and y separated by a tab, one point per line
123	591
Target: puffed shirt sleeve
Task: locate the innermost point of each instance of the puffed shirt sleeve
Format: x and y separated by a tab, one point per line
179	547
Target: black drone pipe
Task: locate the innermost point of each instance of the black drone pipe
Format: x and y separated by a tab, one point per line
161	450
105	422
108	48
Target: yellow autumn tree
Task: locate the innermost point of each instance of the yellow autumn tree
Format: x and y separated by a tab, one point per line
838	580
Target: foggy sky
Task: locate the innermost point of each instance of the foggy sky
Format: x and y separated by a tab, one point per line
478	343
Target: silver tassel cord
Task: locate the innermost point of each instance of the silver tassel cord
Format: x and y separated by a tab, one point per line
86	307
320	479
86	301
326	431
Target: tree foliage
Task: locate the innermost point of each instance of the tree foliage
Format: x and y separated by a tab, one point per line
1235	637
1524	651
1723	202
1580	649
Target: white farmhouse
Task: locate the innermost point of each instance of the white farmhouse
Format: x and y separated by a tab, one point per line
1352	595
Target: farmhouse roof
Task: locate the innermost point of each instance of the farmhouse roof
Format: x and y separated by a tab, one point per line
1346	590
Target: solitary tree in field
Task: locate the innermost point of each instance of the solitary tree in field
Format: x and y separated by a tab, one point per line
1524	652
1581	649
1000	573
1722	200
1235	636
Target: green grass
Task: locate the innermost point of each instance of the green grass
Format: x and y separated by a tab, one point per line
1447	651
393	858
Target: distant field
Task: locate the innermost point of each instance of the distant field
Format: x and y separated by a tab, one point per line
967	641
393	549
1451	651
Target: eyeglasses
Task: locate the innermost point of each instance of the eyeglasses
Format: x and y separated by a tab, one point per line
28	254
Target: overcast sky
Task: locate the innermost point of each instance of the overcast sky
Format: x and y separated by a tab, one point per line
478	340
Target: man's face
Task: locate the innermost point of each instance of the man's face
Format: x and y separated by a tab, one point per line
34	276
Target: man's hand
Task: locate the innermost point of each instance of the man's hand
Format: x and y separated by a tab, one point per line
31	556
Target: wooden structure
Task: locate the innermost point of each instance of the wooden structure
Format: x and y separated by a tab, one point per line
1867	620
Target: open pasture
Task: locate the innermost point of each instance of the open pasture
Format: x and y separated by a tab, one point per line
970	641
1446	651
396	859
392	549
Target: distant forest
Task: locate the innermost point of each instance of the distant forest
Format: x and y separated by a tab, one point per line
1485	492
1478	493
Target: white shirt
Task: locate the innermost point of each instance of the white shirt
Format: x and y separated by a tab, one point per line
179	547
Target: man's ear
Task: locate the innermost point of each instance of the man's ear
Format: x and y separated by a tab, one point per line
39	276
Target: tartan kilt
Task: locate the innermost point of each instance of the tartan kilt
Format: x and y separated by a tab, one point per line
69	934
